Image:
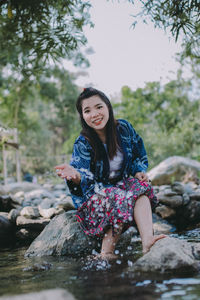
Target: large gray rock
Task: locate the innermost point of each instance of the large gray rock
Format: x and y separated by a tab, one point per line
52	294
173	168
169	254
63	236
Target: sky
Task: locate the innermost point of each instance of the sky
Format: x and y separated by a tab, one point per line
123	55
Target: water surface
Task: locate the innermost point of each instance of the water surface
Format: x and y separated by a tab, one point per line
87	279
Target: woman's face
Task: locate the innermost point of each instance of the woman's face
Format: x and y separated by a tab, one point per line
95	113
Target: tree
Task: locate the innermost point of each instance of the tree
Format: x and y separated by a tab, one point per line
181	17
165	117
34	32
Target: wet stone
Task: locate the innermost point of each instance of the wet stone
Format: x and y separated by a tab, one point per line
30	212
165	211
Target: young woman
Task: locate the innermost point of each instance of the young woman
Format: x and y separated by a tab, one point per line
106	175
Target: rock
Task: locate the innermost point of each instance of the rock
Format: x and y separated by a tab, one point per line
173	168
195	195
58	193
172	201
47	203
63	236
61	187
6	229
188	215
25	186
25	236
39	194
66	203
3	191
47	213
48	186
186	199
13	214
30	212
52	294
169	192
178	187
168	255
190	187
18	198
38	224
5	203
161	227
165	212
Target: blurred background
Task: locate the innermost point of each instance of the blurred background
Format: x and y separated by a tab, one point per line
143	54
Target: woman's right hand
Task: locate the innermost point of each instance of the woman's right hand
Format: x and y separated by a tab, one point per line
68	172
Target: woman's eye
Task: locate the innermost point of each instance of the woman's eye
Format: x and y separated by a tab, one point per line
86	111
99	107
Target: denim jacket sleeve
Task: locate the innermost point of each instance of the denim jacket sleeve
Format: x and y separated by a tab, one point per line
139	155
81	161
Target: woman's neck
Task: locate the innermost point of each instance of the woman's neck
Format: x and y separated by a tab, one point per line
102	136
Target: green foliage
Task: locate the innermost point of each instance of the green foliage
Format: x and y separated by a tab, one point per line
35	32
165	117
181	17
45	116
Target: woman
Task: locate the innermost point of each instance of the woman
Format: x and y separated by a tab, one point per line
106	175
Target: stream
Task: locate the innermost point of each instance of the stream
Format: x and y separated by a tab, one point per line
89	279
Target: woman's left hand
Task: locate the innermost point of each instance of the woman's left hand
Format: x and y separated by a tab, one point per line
142	176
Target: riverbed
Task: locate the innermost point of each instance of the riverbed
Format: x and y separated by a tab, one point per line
89	279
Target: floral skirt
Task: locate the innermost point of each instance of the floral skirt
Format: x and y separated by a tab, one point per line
113	205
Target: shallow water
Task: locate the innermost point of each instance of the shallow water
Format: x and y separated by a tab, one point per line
91	279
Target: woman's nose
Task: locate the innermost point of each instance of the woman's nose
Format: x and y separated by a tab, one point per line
94	113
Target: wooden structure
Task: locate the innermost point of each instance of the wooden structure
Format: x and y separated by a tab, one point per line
9	138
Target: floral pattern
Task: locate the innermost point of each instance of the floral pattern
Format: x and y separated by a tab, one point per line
109	207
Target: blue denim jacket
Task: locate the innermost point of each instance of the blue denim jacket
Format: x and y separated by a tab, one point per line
95	176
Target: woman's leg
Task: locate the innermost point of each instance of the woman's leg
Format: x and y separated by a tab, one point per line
143	219
109	242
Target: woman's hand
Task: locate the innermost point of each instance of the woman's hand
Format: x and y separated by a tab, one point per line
142	176
68	172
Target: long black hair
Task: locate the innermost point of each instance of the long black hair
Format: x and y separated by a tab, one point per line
90	134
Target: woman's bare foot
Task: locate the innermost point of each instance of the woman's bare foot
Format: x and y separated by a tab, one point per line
107	255
147	246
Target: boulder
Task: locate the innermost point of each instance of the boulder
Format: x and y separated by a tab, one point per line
63	236
52	294
172	169
169	255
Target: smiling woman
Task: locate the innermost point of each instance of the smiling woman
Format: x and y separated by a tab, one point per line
106	176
